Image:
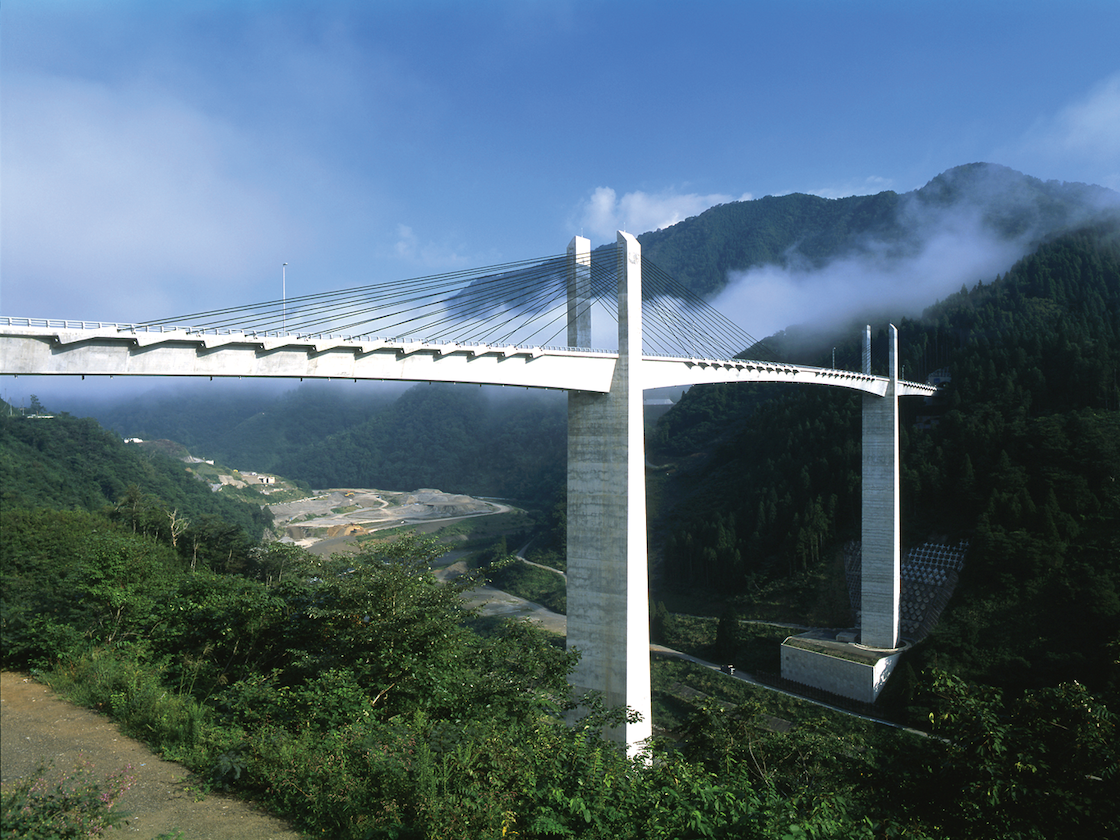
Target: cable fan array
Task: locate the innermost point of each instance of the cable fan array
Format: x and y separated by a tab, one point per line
522	303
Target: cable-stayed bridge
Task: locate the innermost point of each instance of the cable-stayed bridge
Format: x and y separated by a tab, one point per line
501	325
527	324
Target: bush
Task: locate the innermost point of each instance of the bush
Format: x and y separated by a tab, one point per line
134	694
48	805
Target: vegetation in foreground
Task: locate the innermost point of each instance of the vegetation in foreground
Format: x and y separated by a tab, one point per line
53	805
352	696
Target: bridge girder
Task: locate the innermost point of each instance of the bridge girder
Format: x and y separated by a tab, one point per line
30	347
111	351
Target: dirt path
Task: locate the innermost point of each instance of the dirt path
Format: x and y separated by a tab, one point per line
37	727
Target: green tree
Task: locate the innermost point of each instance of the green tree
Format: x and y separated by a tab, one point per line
727	634
72	579
1043	765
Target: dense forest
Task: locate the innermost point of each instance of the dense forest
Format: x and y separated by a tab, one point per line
458	438
358	698
461	439
1021	457
247	427
68	463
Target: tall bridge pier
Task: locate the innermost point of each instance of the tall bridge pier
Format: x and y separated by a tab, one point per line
608	583
857	665
608	579
880	524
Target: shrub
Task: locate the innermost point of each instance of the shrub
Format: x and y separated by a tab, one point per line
47	805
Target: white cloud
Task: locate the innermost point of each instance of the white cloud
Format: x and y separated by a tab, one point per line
407	242
604	212
1091	127
1085	133
115	198
426	254
955	251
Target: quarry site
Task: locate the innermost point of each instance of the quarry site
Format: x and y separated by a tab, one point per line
352	512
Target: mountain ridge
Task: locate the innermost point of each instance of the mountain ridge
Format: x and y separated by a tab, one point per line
798	229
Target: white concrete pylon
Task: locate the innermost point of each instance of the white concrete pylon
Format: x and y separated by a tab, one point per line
579	292
608	578
881	563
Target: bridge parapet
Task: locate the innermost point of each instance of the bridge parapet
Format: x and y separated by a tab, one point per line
666	371
56	347
61	347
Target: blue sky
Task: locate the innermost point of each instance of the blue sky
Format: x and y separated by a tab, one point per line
159	158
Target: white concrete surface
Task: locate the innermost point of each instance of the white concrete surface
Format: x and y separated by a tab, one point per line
881	567
860	681
111	351
608	579
42	347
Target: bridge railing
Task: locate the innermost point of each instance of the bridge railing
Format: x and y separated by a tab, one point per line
64	324
57	324
108	326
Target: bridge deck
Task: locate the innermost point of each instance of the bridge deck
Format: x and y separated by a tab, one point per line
44	347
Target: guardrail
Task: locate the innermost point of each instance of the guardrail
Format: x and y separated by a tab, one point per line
57	324
64	324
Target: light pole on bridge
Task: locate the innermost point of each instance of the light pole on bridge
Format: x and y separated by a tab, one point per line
284	293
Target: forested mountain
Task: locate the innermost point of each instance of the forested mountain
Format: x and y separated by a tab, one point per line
333	436
458	438
1023	458
250	428
461	439
806	230
65	463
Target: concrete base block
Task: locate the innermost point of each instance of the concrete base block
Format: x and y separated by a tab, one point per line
849	670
